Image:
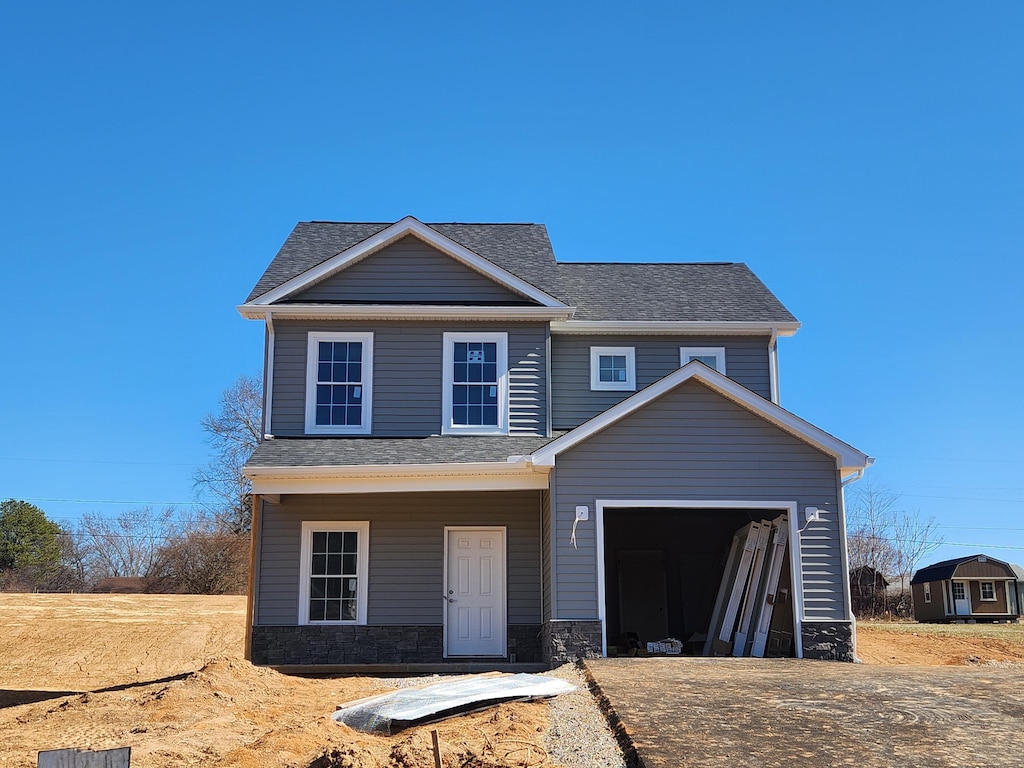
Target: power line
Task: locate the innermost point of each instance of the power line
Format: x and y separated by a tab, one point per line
99	461
107	501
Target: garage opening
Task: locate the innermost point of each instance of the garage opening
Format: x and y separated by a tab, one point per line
697	582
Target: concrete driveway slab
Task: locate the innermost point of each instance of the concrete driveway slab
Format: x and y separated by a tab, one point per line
711	713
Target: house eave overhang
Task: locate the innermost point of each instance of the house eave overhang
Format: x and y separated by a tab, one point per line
391	234
253	311
514	474
848	459
670	327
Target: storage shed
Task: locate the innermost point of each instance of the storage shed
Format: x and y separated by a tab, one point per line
972	588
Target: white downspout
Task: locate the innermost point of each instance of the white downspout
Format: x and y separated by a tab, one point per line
268	376
773	365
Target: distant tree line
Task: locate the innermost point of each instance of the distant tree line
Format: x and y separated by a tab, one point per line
204	553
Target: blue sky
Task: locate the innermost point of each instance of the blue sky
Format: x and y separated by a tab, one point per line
866	162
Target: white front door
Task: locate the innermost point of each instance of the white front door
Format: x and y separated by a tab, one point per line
474	592
961	598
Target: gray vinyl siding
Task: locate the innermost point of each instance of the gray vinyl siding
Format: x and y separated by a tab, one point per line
545	548
406	565
407	375
408	272
746	362
695	445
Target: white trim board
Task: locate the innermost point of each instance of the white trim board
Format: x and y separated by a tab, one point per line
402	312
672	327
789	508
848	458
391	234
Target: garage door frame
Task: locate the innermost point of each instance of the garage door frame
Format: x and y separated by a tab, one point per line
787	507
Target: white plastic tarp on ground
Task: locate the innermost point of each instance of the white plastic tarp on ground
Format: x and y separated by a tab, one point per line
391	712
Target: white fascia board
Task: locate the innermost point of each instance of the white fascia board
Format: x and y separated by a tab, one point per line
847	457
401	312
667	327
407	226
483	476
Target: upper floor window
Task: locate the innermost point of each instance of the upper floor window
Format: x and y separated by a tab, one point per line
339	379
475	400
613	368
712	357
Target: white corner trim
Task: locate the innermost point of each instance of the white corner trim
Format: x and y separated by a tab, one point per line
847	457
407	226
664	327
362	527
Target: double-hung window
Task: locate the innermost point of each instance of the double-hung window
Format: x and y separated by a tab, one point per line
333	572
613	368
339	382
712	357
475	399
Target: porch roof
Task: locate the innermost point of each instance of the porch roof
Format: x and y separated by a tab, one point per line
375	451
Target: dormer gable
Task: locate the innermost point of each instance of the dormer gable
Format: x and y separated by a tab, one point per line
405	263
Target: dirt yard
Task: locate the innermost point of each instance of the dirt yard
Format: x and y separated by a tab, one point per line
164	674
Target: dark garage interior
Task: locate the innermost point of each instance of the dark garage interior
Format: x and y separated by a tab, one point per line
663	570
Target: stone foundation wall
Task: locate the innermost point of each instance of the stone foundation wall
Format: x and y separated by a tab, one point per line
348	644
566	641
830	641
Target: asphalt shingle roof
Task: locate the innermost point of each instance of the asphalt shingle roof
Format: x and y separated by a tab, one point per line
522	249
696	292
713	292
354	451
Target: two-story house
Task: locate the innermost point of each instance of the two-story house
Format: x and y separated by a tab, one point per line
474	451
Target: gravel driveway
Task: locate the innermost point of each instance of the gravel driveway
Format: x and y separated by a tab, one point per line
713	713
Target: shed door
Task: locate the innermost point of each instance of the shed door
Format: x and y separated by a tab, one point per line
961	598
474	595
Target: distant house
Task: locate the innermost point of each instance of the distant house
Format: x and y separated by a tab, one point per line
867	590
977	587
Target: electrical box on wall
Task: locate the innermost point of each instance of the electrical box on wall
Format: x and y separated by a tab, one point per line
582	513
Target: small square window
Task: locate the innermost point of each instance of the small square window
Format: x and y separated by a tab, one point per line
988	591
613	368
712	357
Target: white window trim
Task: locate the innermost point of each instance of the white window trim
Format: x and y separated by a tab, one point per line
686	353
981	591
312	350
927	592
448	374
362	527
596	353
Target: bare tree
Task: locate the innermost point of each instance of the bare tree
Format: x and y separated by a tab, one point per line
233	433
889	541
125	545
206	560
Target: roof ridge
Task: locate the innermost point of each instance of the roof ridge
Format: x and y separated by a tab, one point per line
659	263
